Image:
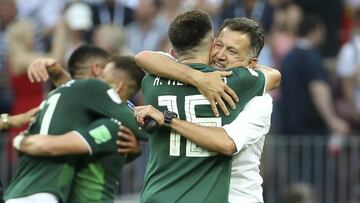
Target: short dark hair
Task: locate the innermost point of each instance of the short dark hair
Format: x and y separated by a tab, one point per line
188	29
308	24
82	55
128	65
249	27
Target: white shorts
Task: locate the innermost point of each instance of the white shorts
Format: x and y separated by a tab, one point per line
35	198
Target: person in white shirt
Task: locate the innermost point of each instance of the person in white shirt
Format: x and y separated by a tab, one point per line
348	71
247	133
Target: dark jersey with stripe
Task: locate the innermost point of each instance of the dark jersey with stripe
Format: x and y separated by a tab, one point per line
97	176
74	105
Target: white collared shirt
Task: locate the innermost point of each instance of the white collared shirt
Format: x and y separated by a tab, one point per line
248	131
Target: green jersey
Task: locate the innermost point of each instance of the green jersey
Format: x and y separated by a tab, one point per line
73	105
97	176
179	170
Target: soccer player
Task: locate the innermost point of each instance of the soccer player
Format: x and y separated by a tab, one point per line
179	170
74	105
125	77
244	136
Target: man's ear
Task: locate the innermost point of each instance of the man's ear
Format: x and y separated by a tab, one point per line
119	87
96	70
252	63
173	53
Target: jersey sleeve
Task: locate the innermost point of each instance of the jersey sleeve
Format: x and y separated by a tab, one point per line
252	123
103	101
101	136
247	83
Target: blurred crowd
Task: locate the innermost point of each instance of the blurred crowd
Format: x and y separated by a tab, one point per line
319	57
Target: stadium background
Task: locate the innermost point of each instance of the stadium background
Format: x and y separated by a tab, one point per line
321	168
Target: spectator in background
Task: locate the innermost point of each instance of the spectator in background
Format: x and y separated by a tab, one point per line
110	38
329	11
7	15
299	193
169	10
214	7
306	103
283	34
78	17
44	15
348	71
148	31
20	35
253	9
279	42
113	12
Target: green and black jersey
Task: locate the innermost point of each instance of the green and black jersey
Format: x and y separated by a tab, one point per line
74	105
179	170
97	176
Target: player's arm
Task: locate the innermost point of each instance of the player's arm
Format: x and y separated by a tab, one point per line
216	138
273	77
99	137
42	69
210	85
18	120
41	145
246	129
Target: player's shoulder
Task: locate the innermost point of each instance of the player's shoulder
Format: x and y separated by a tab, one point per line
243	73
108	126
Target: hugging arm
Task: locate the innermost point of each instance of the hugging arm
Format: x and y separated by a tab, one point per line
42	69
42	145
273	77
246	129
99	137
210	85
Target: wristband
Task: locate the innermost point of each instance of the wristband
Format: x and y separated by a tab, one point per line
5	121
17	141
168	116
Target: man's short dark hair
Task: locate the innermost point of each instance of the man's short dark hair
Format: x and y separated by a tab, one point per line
188	29
79	58
128	65
249	27
308	24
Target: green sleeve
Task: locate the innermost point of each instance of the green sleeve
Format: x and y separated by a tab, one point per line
101	136
248	82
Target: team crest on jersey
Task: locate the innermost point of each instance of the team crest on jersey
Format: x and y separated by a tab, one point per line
114	96
100	134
